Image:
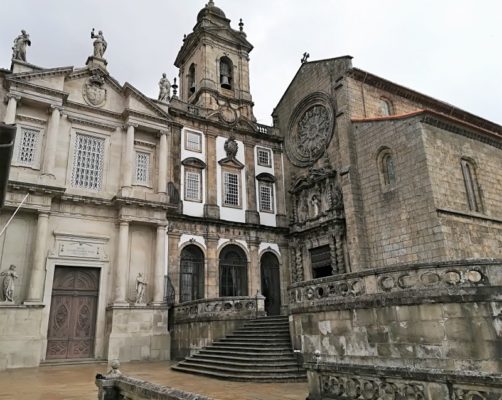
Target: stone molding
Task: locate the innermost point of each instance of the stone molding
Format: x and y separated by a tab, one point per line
91	122
220	308
406	284
349	381
80	246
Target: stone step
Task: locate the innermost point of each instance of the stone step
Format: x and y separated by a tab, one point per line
273	377
266	323
257	331
270	366
256	340
257	348
245	353
247	358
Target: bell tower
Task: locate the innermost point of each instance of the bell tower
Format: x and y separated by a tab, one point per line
213	65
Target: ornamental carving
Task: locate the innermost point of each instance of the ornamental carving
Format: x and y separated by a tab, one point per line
93	91
310	129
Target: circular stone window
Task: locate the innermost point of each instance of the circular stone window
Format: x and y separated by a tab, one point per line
310	129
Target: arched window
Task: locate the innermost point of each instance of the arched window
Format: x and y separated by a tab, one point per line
386	168
270	283
471	185
233	272
191	274
191	79
226	73
385	107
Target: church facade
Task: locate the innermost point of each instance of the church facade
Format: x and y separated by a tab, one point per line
369	213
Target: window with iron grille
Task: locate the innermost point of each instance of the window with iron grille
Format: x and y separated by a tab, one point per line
193	141
231	195
193	190
264	157
142	168
88	162
266	190
28	146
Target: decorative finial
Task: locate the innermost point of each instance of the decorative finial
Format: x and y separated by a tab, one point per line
210	3
175	89
305	57
184	37
241	25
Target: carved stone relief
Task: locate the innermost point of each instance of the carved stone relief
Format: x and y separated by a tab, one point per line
93	91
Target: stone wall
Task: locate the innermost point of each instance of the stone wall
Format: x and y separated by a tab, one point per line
138	333
443	316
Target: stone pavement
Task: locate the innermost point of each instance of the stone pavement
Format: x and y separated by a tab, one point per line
76	382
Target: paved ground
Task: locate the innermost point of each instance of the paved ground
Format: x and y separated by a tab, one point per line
74	382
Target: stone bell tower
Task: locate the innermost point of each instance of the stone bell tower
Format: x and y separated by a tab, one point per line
214	66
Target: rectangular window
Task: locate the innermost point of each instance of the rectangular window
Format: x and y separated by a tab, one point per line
264	157
266	190
320	258
193	141
88	160
193	186
142	168
28	146
231	195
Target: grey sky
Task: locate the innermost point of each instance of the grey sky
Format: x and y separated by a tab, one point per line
448	49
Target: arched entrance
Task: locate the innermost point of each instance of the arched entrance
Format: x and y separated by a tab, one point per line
191	274
233	272
270	283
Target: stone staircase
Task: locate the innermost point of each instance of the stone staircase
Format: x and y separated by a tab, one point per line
259	351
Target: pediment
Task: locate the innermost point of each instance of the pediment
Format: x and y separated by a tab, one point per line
231	163
138	102
194	162
266	177
50	78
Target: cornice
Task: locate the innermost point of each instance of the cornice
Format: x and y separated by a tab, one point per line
15	84
91	122
33	120
35	188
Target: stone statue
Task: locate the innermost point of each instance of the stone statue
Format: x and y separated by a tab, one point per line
114	371
165	88
8	283
19	48
316	205
99	44
140	288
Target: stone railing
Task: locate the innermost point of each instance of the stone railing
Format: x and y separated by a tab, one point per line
352	382
127	388
404	284
241	307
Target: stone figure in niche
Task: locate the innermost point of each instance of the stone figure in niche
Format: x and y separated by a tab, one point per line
8	283
315	202
337	196
140	288
303	208
231	148
165	88
100	44
19	48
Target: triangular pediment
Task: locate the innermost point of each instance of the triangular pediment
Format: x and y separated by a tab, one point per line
138	102
231	163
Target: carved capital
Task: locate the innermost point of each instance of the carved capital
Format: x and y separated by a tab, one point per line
9	96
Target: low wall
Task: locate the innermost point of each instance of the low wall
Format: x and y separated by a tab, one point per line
199	323
442	317
123	387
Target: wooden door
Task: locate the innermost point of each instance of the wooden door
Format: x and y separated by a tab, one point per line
270	283
72	319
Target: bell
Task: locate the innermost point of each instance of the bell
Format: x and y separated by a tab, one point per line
225	83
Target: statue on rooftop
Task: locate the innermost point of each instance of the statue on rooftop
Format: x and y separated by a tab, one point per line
19	48
99	44
165	88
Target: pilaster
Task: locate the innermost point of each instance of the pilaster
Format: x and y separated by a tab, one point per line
122	264
252	216
281	218
52	137
211	208
37	278
10	113
162	183
158	284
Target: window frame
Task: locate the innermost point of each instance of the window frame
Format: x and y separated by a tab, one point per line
471	184
190	132
237	173
388	182
37	153
198	172
270	186
71	171
265	150
148	182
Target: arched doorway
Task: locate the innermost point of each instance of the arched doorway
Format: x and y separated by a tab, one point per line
270	283
233	272
191	274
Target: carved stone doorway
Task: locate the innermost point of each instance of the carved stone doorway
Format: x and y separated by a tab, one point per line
271	284
72	319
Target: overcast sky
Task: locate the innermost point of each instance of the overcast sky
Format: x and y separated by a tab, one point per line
448	49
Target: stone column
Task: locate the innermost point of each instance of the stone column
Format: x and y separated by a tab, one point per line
162	183
122	264
174	263
52	138
252	216
10	113
128	161
158	276
281	219
37	278
254	272
212	267
211	209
